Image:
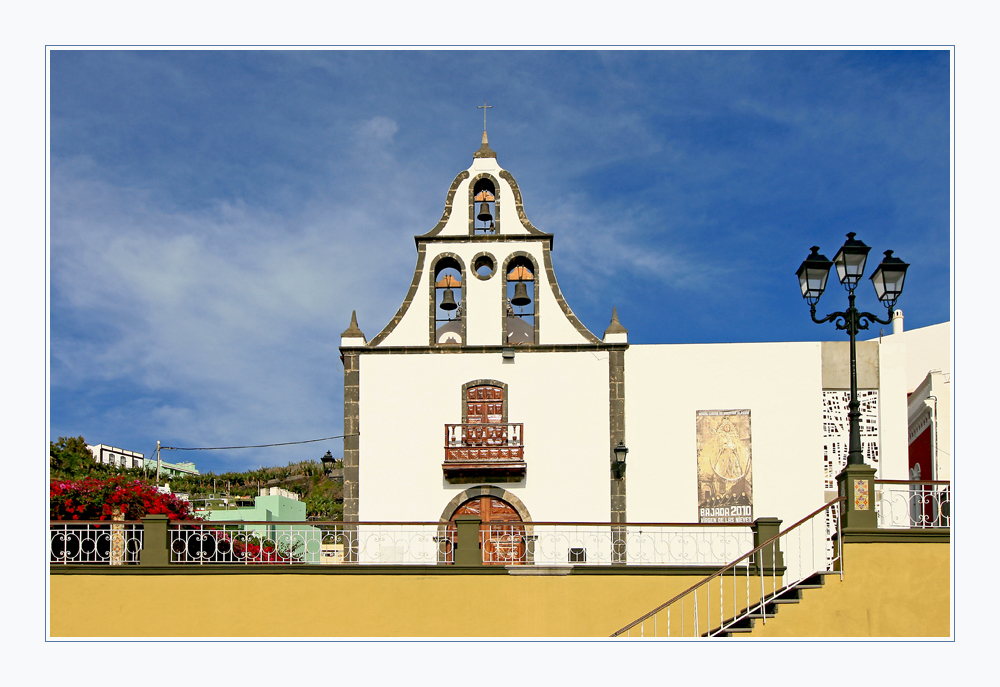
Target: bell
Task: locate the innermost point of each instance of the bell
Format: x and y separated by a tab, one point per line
448	300
520	294
484	213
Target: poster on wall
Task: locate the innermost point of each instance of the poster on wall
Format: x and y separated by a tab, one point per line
725	477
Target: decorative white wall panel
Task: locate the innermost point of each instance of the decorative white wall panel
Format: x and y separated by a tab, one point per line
836	432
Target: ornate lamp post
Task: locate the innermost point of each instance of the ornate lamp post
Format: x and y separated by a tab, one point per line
888	282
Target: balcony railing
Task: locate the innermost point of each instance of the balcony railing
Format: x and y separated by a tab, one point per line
563	543
107	543
318	543
280	544
484	447
905	504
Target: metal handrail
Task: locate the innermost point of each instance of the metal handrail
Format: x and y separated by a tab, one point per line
729	567
911	481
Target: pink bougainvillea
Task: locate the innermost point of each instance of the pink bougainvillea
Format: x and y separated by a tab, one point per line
98	499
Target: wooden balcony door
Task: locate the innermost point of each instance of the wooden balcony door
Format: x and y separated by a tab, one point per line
502	534
484	405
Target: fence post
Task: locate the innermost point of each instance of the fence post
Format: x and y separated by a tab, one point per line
154	540
770	557
857	485
468	546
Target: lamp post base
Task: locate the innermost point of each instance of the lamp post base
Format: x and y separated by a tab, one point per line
856	483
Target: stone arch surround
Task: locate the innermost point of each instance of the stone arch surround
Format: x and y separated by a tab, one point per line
485	490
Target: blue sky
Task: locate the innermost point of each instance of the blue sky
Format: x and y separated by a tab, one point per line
217	215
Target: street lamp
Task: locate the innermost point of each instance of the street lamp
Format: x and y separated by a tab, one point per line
888	282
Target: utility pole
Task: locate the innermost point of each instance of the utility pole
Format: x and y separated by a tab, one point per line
157	462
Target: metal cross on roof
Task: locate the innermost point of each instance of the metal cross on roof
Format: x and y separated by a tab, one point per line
484	107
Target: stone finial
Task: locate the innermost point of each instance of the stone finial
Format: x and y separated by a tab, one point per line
484	151
353	332
615	327
615	333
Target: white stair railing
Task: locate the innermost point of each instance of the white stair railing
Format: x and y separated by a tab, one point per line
744	588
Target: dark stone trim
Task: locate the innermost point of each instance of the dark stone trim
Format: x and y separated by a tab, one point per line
352	423
616	404
547	255
485	490
414	283
482	382
462	176
503	295
497	238
472	265
506	176
914	536
527	348
472	204
666	570
432	278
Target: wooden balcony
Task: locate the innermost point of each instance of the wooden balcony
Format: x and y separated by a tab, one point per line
484	452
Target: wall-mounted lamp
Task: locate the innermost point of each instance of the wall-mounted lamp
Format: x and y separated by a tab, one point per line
618	466
327	463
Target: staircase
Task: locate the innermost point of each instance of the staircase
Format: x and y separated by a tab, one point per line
745	620
752	587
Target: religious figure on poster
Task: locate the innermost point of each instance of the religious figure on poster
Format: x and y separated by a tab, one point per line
725	482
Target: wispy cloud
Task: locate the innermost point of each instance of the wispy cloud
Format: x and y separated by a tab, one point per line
216	216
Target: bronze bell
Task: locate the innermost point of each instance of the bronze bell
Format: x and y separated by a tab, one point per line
520	294
448	300
484	213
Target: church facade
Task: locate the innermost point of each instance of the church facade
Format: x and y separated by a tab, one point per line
485	395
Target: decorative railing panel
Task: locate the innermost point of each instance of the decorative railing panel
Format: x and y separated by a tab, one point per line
913	505
484	443
604	544
107	543
315	543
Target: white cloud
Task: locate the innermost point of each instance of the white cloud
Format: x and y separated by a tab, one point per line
224	321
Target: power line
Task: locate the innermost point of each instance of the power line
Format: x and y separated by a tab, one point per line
227	448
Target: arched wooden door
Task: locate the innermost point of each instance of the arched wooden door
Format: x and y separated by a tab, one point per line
502	533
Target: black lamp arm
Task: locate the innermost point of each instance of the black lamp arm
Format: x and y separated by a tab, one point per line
831	316
874	318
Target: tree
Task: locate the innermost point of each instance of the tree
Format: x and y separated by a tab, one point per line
69	458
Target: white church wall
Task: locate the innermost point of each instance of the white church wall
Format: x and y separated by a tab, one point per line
412	329
555	326
904	362
924	349
893	421
781	385
406	400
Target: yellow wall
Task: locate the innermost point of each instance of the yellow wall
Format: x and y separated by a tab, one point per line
371	605
888	590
